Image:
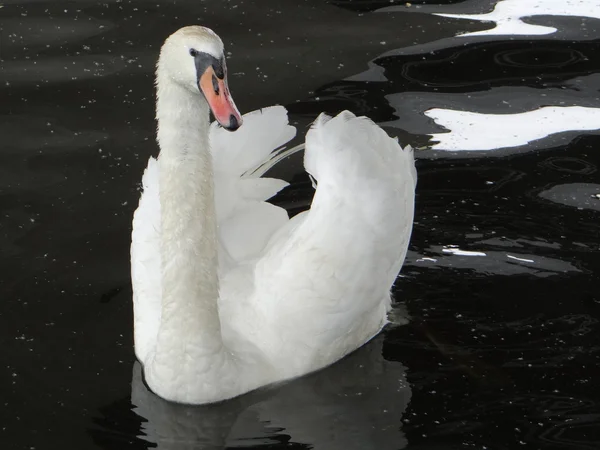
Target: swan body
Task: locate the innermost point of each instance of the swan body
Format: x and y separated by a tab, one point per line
229	294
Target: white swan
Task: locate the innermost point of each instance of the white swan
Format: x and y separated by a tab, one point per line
229	295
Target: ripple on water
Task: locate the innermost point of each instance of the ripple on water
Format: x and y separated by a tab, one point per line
48	32
67	68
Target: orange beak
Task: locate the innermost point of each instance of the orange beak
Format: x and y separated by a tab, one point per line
219	100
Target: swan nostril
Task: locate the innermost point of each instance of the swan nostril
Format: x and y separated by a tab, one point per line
215	84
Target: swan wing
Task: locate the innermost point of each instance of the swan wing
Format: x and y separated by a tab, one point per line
246	222
322	287
146	263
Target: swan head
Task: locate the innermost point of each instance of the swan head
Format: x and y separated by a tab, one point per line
193	57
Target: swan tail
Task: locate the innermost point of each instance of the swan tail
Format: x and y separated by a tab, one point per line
145	263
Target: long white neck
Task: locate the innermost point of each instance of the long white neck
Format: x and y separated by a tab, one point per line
190	329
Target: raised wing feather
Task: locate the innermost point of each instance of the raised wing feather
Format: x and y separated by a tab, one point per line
246	222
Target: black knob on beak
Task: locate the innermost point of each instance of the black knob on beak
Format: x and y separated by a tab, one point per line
233	123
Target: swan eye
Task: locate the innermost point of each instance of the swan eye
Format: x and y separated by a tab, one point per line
193	52
215	83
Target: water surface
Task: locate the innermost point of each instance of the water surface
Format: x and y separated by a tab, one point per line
501	281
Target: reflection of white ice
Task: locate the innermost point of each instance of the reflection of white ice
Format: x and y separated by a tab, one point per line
579	195
492	262
520	259
476	131
508	15
457	251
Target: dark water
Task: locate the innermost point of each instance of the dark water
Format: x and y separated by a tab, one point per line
501	282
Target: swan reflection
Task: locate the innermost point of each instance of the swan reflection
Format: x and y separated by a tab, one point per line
355	404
